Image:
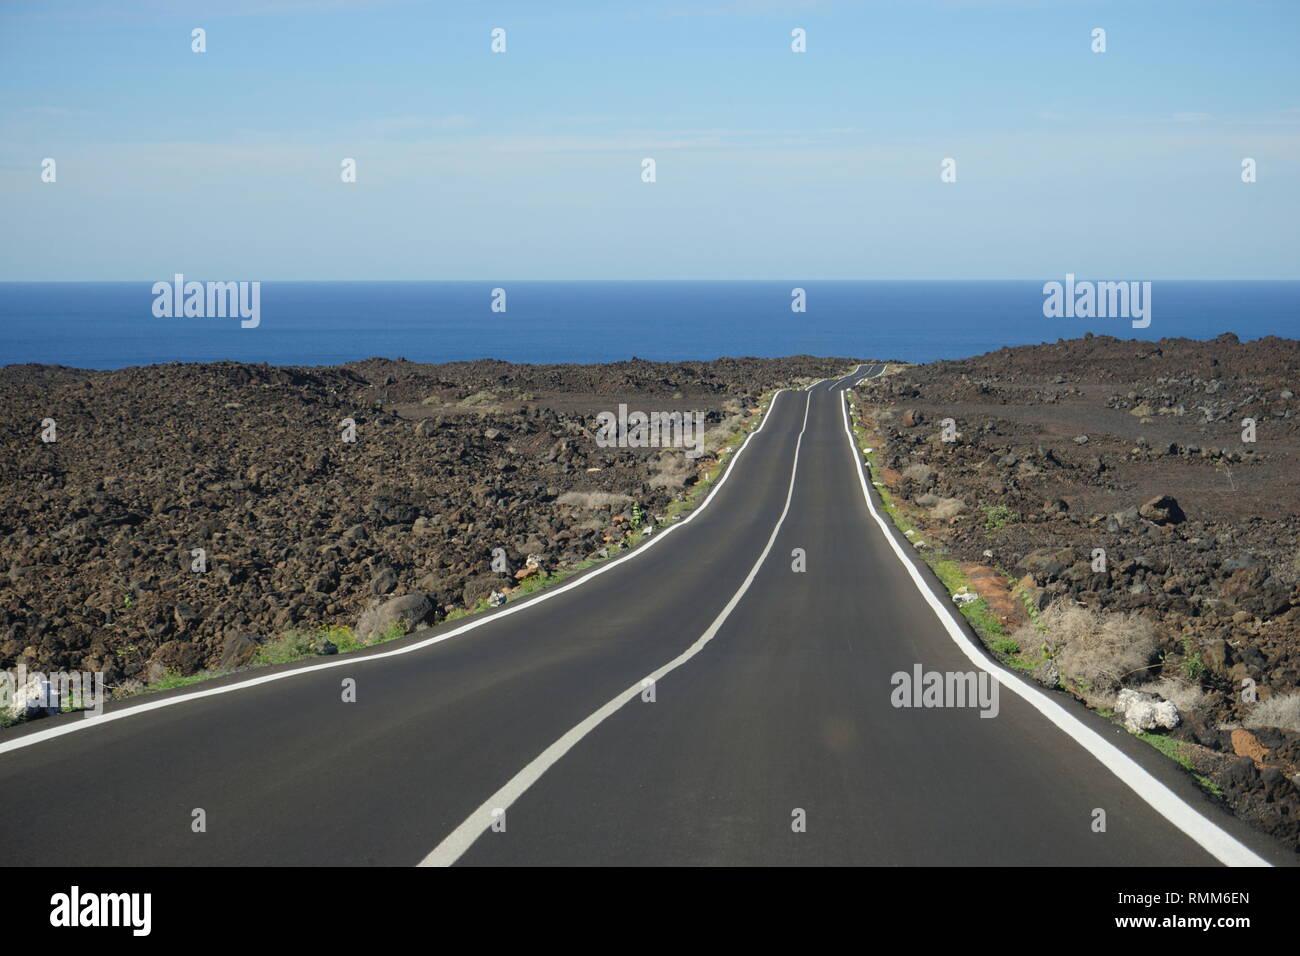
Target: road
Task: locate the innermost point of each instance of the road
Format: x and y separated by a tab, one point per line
527	737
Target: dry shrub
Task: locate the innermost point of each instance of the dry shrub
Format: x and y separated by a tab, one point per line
947	509
670	471
918	473
723	432
1187	696
480	399
591	500
1281	711
1095	651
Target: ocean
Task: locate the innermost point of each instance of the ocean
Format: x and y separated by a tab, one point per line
106	325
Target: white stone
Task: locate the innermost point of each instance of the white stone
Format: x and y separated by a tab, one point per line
1145	712
34	699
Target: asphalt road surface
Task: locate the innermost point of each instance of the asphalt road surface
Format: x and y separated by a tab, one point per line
699	701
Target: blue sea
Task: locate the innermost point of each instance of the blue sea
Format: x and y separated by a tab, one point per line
108	325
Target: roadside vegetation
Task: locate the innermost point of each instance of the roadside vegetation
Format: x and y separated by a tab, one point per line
722	441
907	518
1089	653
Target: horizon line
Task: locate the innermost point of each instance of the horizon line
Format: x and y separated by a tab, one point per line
678	361
711	279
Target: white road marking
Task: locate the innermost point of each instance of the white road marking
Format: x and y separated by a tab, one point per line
454	845
80	724
1220	844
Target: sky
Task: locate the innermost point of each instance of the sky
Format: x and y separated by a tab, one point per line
769	164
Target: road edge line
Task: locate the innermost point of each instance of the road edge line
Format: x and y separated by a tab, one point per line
1212	838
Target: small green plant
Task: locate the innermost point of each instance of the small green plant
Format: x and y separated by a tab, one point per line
1030	605
1080	686
997	517
1193	665
127	600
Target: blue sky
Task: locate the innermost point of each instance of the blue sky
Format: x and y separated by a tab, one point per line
770	164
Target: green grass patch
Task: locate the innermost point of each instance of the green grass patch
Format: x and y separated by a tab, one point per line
300	643
172	679
1005	646
1172	749
978	612
1167	746
1208	784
